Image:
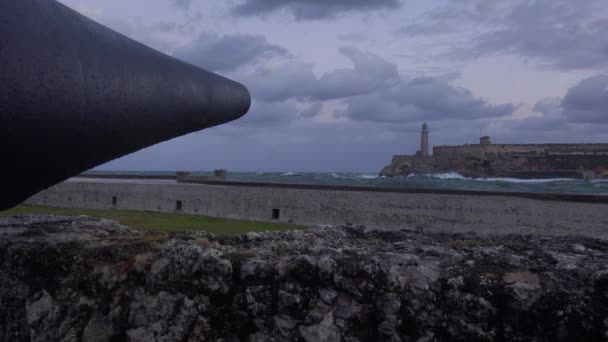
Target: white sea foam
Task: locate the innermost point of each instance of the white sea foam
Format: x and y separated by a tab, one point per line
367	176
289	173
528	181
447	175
352	176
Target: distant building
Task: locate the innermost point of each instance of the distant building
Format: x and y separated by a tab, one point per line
502	160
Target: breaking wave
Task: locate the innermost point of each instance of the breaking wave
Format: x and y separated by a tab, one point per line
368	176
529	181
447	175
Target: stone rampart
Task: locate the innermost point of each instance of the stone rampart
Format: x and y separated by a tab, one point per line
521	148
382	208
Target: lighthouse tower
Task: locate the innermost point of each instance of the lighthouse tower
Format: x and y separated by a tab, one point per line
424	140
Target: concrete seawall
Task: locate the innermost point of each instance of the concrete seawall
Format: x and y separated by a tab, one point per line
427	210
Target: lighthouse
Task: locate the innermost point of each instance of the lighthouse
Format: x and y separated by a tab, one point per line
424	140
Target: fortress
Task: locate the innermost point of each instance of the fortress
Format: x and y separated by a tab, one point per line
504	160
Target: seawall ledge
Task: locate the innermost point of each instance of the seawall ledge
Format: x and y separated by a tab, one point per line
568	197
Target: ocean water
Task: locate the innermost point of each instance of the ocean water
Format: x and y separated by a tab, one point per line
433	181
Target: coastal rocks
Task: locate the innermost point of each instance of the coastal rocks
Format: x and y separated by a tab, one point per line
406	165
79	278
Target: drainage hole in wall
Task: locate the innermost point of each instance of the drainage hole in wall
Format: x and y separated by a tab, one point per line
114	200
276	213
178	205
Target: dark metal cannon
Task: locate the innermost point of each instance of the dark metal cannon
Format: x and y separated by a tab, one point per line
75	94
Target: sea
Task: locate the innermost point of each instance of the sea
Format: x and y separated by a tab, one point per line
450	180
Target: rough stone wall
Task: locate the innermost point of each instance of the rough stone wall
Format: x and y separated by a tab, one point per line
83	279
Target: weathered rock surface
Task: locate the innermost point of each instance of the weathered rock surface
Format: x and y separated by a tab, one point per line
78	278
407	165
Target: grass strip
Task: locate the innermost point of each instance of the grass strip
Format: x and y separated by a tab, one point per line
160	222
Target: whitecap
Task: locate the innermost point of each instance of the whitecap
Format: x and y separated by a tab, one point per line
447	175
528	181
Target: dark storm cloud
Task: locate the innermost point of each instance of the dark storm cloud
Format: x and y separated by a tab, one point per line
451	18
558	33
291	80
372	91
561	34
581	116
550	118
587	102
312	9
267	114
224	53
264	114
370	73
422	99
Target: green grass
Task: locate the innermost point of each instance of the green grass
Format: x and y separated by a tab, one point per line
160	222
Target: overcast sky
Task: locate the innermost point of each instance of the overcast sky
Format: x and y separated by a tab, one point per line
342	85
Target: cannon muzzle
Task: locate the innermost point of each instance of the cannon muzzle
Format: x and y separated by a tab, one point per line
75	94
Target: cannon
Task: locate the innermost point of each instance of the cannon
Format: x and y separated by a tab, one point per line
75	94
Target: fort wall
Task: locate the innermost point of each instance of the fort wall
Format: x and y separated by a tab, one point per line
500	160
382	208
523	148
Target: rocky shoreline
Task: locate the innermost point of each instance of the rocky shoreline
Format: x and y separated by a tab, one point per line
79	278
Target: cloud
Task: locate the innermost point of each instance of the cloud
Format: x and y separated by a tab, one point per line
182	4
421	99
558	33
550	118
312	9
587	102
580	116
293	80
450	18
372	90
273	114
353	36
312	111
228	52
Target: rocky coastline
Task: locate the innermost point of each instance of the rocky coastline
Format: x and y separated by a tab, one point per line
79	278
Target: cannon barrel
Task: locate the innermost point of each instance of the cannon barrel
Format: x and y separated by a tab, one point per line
75	94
